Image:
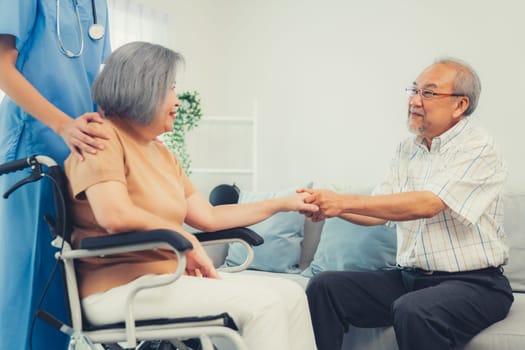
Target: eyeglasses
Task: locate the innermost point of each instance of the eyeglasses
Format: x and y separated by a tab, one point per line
428	94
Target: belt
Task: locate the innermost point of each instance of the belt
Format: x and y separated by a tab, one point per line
444	273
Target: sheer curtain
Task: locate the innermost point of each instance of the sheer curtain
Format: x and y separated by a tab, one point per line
131	20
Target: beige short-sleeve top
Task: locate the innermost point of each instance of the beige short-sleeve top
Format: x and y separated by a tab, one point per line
156	183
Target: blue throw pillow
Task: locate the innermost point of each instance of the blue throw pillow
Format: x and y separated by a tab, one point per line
282	233
346	246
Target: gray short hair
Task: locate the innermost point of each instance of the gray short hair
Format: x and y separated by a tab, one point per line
466	81
135	81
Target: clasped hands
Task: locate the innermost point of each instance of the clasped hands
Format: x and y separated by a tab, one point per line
329	203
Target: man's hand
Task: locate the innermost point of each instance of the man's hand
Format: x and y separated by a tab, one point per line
330	203
80	136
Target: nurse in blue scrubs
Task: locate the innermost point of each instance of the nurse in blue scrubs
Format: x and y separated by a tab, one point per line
50	53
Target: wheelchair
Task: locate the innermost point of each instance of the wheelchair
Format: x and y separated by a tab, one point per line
188	333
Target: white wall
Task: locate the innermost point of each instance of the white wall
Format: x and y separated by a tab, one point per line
329	76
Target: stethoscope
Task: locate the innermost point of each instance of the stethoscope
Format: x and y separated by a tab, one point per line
95	31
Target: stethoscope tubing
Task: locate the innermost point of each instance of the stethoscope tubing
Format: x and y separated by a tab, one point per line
98	29
94	11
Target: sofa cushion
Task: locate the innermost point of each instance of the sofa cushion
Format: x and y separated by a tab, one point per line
312	236
347	246
507	334
282	233
514	225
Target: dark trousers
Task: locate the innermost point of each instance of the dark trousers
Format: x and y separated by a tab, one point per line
428	311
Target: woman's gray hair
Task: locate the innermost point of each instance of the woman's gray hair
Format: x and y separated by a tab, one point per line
135	81
466	81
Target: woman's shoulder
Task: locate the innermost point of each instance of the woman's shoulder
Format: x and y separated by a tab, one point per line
107	125
108	128
113	139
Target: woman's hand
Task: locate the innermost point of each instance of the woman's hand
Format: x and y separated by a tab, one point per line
198	263
297	202
80	135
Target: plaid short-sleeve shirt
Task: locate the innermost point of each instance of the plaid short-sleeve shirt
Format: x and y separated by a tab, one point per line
465	171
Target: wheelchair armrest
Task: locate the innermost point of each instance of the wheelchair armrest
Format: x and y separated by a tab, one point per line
174	239
242	233
245	236
135	241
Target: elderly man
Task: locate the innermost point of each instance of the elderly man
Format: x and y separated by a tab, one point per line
444	194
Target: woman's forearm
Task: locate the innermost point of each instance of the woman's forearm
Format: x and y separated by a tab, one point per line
246	214
207	218
203	216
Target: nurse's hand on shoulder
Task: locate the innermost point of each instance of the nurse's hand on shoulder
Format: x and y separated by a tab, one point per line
80	136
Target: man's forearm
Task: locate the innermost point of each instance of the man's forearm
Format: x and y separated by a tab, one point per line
362	220
394	207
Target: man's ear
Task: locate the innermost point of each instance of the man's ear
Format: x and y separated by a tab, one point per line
462	104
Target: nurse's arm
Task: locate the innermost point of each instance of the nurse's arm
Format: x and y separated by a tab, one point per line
76	133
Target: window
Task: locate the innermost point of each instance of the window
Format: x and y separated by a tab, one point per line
131	20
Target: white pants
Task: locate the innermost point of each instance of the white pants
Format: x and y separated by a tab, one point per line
271	312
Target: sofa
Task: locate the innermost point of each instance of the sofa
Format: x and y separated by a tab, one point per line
338	245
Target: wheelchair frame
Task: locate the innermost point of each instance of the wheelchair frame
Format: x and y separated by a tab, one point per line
131	330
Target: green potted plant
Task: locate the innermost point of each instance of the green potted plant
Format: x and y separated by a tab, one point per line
189	113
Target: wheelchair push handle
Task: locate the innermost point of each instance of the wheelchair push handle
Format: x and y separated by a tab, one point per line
23	163
34	161
15	165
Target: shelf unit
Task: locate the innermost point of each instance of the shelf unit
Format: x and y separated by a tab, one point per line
223	123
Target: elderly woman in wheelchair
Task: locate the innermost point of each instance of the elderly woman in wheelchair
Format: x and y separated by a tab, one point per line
136	183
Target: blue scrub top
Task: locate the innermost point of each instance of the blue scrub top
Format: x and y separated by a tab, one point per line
64	81
26	257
